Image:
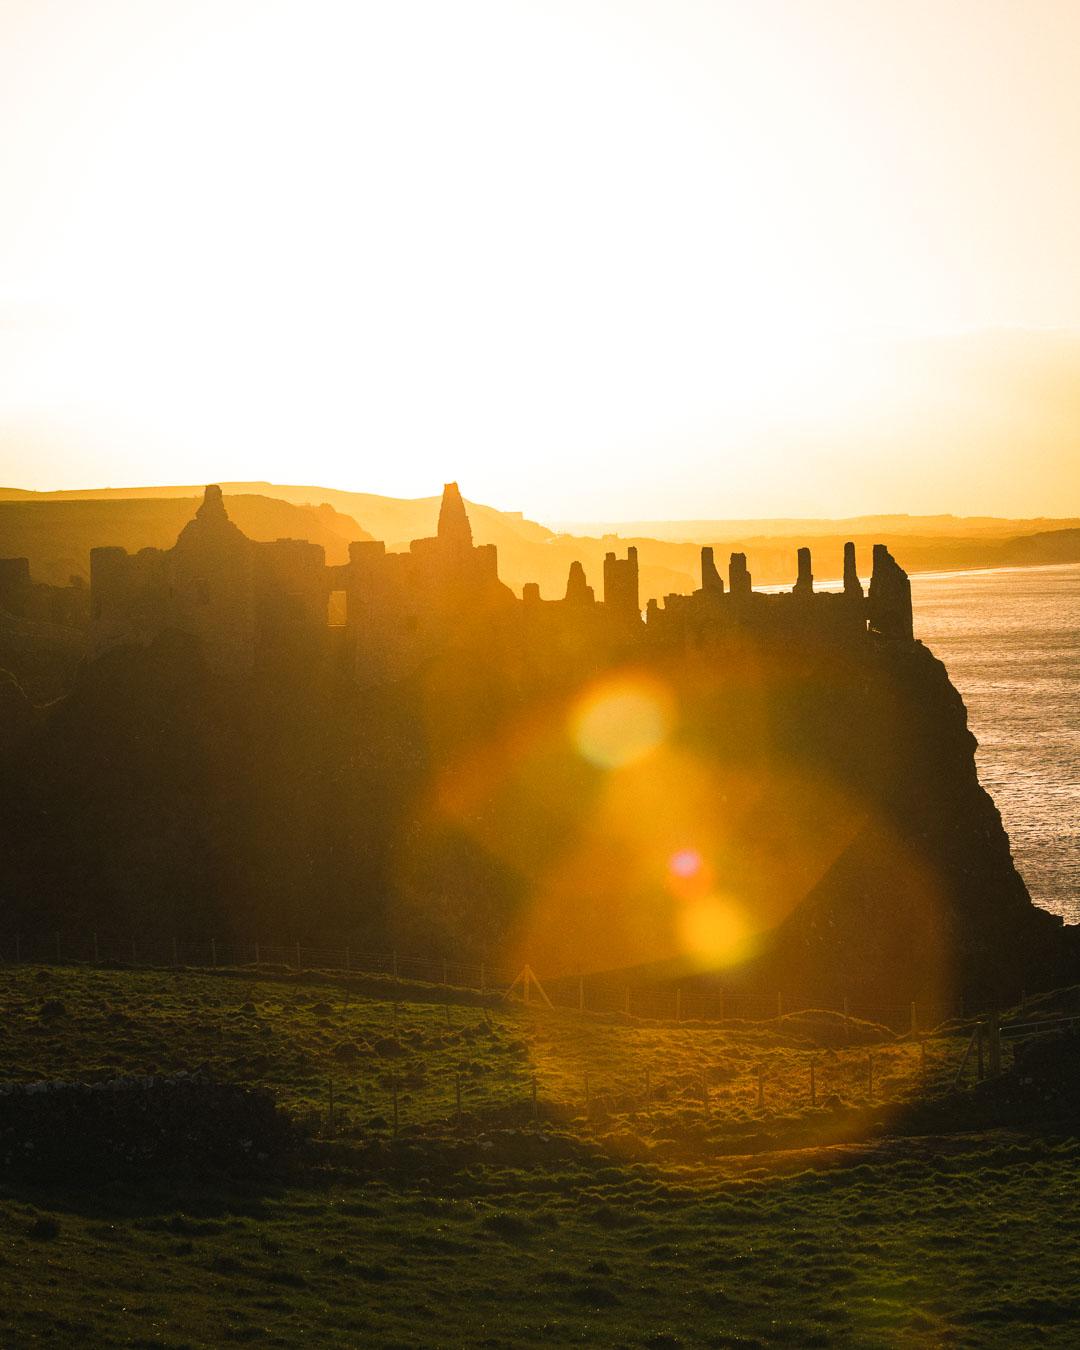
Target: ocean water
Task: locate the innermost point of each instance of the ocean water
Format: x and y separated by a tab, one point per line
1010	639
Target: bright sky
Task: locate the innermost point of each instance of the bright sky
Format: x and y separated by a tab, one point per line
592	259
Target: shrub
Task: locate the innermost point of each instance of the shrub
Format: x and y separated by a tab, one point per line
140	1126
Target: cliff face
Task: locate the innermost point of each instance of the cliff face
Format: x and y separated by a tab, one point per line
827	794
925	897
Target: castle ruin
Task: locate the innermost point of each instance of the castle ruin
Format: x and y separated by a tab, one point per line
388	613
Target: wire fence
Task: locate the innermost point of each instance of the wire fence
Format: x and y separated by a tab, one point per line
600	993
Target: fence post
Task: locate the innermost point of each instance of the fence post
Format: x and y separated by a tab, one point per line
257	953
779	1004
914	1018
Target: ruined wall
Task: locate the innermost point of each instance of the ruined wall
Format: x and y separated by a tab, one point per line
443	599
215	584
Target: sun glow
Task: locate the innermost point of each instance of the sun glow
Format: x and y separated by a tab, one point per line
512	242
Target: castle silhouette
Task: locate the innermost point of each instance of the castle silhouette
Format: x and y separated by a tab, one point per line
389	612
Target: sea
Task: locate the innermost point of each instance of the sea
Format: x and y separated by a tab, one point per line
1010	639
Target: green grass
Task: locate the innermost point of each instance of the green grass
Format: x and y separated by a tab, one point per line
644	1222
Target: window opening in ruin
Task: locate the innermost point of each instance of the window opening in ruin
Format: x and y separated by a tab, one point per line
337	609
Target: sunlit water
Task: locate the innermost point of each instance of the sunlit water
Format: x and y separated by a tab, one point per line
1010	640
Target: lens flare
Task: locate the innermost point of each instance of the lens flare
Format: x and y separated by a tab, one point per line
621	722
713	932
685	863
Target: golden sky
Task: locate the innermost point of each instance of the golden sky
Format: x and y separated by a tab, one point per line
595	260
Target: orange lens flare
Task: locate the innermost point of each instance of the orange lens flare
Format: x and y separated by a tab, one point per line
622	721
713	932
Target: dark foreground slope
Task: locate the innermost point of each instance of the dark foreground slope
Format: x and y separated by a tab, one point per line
653	1215
828	794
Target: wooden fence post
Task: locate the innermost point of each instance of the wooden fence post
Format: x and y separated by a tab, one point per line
256	953
779	1004
914	1019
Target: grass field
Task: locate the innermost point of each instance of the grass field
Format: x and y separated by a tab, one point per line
663	1206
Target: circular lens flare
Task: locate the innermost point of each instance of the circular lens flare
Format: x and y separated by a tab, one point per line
713	932
622	721
686	863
